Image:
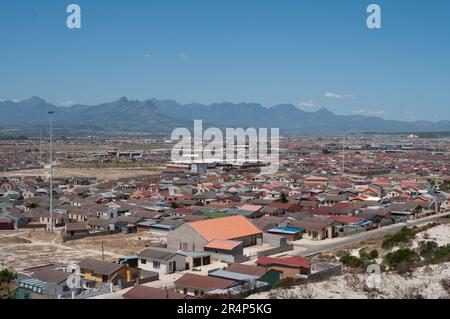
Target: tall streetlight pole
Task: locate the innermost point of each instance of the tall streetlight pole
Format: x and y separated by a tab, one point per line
50	114
343	155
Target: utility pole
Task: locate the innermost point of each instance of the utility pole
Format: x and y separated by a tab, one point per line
50	114
436	206
40	148
103	252
343	155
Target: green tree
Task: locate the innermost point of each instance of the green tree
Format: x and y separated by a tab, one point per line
283	198
6	279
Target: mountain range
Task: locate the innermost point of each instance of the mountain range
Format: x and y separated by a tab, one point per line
162	116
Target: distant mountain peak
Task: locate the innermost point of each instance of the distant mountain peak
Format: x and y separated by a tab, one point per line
324	110
162	116
285	107
35	99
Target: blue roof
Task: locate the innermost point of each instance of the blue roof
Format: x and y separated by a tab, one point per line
287	230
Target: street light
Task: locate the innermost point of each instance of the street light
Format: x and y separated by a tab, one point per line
50	114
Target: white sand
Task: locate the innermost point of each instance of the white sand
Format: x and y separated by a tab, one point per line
424	283
440	234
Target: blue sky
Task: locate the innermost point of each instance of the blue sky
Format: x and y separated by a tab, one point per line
313	54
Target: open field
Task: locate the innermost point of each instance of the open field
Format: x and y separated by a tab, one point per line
99	173
24	249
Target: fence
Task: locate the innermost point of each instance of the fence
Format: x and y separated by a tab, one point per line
66	237
275	250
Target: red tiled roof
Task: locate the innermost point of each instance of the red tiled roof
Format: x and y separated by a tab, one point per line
222	244
225	228
203	282
295	261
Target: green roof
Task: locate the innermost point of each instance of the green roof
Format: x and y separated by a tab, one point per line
216	215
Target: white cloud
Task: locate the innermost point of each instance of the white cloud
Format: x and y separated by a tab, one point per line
66	103
333	95
369	112
12	100
306	104
183	56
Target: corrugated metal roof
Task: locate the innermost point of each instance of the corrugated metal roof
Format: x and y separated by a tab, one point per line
233	275
32	284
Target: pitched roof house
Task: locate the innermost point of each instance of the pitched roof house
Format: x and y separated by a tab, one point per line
194	236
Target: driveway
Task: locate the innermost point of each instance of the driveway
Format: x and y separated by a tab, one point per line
307	248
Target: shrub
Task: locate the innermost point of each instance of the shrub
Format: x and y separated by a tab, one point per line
402	260
7	276
373	254
288	282
428	248
442	254
403	236
351	261
445	283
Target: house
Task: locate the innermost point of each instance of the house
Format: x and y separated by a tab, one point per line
142	292
167	224
19	219
247	213
225	249
291	233
268	222
97	271
330	200
199	286
270	276
195	259
409	210
316	182
289	207
378	216
100	224
80	215
193	236
348	225
46	282
161	260
6	224
58	283
315	228
73	229
287	266
272	211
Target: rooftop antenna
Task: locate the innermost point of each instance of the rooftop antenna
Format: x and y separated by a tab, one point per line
50	115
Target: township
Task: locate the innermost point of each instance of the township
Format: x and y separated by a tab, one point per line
197	230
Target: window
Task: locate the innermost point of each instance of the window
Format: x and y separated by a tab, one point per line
195	292
143	261
156	264
185	291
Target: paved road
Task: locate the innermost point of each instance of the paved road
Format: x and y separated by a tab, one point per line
313	249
